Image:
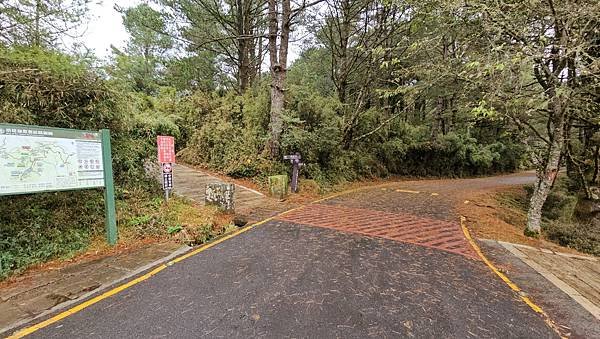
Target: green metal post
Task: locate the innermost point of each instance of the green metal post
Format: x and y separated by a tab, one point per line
109	190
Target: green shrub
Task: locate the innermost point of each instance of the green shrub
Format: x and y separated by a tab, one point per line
231	135
563	223
36	228
582	236
51	89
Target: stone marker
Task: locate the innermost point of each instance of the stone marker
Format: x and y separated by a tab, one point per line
220	195
278	186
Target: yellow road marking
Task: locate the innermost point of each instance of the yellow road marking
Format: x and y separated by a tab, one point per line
408	191
504	278
75	309
31	329
28	330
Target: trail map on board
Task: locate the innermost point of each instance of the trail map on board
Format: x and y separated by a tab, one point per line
34	159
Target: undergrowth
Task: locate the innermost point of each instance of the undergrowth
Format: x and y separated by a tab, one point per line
63	224
565	219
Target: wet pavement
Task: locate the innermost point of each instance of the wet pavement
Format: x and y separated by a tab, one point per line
35	293
288	280
382	262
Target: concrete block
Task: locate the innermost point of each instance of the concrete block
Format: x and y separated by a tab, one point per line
278	186
220	195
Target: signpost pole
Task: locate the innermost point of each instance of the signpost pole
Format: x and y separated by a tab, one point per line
295	160
109	190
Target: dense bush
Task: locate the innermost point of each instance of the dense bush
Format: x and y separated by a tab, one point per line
232	131
582	236
50	89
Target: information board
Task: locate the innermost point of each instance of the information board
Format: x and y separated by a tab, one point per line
36	159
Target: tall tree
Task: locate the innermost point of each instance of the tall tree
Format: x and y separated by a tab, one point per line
360	35
232	29
40	23
144	57
544	40
280	13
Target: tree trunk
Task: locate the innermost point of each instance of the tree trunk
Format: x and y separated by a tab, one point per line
542	189
244	44
37	41
277	103
278	59
438	123
546	177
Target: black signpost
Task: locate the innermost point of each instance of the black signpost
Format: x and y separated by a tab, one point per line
296	164
167	172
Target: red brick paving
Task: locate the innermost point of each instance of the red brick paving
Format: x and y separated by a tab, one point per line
438	234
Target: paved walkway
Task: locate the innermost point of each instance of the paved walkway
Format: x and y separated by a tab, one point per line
191	183
35	294
352	266
565	286
579	276
380	262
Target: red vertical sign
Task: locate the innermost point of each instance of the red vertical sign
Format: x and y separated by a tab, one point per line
166	149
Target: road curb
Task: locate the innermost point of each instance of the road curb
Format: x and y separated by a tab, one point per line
571	292
159	265
507	281
182	250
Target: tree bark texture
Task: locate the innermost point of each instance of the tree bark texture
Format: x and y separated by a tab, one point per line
278	59
546	176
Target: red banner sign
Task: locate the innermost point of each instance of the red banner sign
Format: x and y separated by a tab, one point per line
166	149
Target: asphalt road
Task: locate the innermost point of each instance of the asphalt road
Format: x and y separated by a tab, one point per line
288	280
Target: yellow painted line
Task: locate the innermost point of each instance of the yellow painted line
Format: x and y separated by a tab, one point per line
408	191
88	303
29	330
504	278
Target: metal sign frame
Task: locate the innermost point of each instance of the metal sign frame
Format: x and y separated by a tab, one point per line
109	188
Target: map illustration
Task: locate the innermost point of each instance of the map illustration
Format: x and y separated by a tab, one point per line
42	162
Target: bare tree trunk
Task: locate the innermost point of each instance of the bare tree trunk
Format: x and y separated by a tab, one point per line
596	165
245	44
438	124
37	41
278	59
546	177
542	189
